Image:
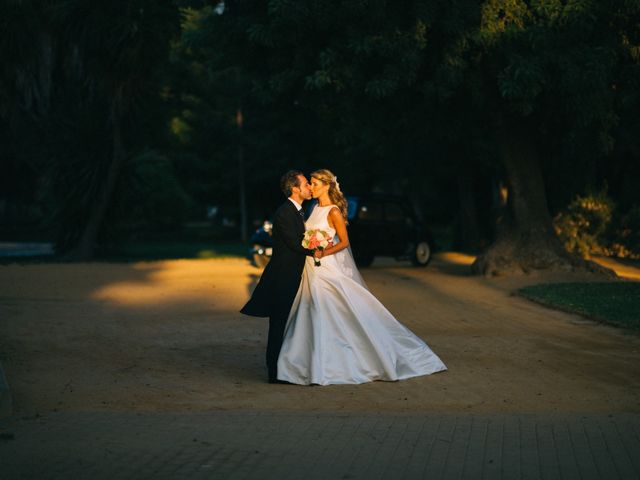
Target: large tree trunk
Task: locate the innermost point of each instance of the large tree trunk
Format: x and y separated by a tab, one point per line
467	236
527	242
85	248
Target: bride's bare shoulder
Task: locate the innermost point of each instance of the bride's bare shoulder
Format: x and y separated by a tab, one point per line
335	216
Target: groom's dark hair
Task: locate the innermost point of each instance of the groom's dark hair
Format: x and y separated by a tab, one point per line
290	180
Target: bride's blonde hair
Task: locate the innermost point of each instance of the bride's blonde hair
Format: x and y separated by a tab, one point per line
336	196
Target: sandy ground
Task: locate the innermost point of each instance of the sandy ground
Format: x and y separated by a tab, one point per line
167	336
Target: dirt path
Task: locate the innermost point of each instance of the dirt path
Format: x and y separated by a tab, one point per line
166	336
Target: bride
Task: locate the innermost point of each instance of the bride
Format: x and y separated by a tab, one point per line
337	331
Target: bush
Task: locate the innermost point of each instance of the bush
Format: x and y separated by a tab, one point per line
582	226
625	238
591	225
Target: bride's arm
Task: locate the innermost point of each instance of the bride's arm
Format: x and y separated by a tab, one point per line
336	220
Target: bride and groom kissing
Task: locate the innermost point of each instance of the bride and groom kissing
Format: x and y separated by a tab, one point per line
325	326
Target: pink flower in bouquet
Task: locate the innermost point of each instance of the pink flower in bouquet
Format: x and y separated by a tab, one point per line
316	240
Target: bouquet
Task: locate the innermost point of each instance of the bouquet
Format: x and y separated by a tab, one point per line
316	240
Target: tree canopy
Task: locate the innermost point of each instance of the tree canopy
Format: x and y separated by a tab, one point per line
499	111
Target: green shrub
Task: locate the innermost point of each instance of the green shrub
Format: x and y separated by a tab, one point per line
582	226
625	236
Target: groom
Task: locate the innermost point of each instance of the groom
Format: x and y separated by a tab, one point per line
274	294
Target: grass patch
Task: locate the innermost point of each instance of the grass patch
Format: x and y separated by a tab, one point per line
617	303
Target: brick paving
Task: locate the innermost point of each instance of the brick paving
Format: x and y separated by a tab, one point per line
265	445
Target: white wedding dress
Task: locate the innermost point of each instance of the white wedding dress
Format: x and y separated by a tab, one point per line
339	333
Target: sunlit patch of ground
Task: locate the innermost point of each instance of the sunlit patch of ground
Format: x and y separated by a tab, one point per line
457	258
176	281
626	269
629	270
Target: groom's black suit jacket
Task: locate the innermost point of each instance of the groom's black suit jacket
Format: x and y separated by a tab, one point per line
274	294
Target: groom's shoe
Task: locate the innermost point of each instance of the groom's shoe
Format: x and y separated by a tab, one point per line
275	380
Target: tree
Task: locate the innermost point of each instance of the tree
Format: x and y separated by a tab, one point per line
544	73
78	86
340	81
279	132
27	51
119	44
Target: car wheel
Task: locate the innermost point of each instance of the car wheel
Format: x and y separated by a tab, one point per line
364	260
421	255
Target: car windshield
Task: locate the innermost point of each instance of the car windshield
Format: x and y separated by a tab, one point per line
394	212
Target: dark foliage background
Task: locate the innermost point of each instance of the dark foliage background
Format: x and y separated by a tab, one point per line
121	119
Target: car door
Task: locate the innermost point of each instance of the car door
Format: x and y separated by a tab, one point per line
370	232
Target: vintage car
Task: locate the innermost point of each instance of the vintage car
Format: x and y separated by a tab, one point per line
386	225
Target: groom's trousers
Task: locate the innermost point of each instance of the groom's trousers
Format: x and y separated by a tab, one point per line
277	323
